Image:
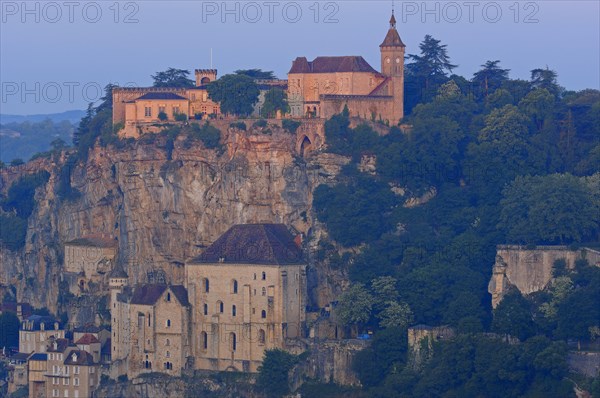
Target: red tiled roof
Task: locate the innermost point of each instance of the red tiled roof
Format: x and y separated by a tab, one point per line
87	339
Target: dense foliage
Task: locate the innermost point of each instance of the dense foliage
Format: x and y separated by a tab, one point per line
273	372
17	206
173	78
486	161
236	93
275	100
9	330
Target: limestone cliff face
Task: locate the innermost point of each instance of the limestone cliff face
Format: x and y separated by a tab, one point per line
530	270
163	210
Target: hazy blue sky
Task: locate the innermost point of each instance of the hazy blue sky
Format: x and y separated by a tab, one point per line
55	49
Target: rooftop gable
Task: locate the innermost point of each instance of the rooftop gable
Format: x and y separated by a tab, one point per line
351	63
268	244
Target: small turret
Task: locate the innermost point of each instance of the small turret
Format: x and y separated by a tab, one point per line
118	277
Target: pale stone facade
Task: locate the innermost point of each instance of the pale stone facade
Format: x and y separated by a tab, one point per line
138	106
71	373
247	291
87	260
151	330
36	331
243	295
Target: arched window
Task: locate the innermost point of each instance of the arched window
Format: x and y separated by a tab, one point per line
263	314
234	286
264	276
168	323
261	336
205	309
204	340
220	306
264	291
168	354
233	310
206	284
149	319
232	339
168	342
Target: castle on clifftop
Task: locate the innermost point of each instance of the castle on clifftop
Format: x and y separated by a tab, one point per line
316	89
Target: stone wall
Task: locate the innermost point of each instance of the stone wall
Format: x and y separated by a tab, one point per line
530	270
329	362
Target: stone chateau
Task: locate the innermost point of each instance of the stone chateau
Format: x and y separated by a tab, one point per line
316	89
244	294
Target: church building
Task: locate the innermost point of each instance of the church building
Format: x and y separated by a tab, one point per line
324	86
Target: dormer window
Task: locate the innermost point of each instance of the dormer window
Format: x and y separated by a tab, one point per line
74	357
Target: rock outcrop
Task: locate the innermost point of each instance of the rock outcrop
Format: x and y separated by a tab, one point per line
163	206
530	270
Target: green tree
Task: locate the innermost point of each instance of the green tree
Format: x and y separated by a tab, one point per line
558	208
539	106
237	94
21	194
354	305
395	314
433	64
9	330
275	100
58	144
513	316
273	372
545	78
490	77
173	78
257	74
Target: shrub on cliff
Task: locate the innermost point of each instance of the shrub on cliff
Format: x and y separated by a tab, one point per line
13	231
290	125
273	373
20	198
208	134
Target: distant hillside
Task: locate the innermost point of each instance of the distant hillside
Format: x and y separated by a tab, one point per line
22	140
72	116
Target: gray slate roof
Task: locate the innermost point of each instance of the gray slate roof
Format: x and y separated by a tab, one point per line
269	244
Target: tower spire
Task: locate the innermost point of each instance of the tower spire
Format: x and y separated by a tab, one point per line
393	18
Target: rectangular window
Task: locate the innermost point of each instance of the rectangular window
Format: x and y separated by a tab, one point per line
148	111
76	381
65	382
76	393
66	395
175	110
76	370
